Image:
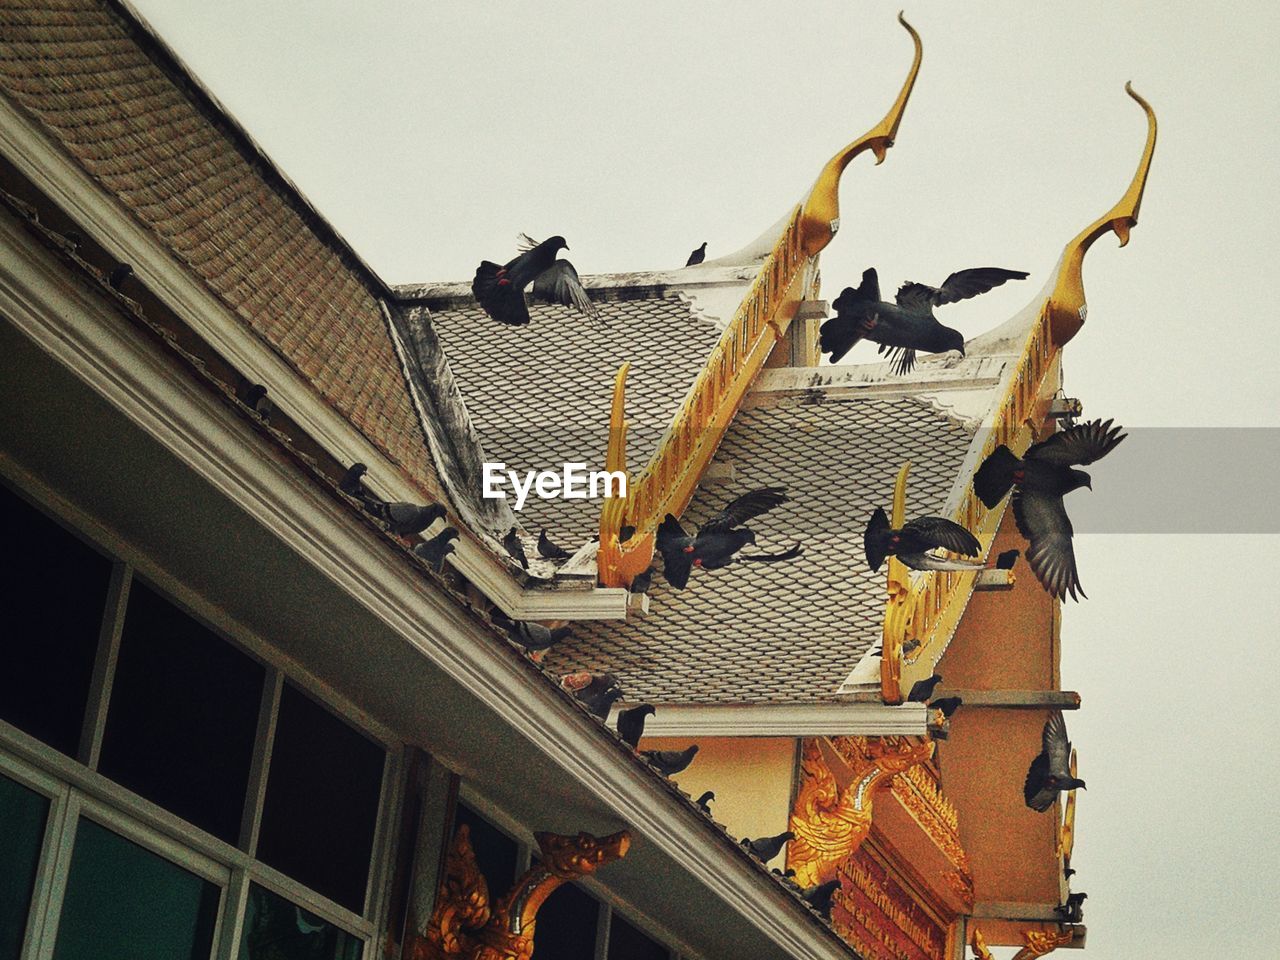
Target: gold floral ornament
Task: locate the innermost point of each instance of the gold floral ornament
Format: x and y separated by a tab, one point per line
979	944
1041	942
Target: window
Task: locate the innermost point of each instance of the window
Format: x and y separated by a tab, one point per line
496	853
566	926
275	929
626	942
21	831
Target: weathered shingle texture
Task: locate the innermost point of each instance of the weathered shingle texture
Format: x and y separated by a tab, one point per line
99	89
783	632
540	395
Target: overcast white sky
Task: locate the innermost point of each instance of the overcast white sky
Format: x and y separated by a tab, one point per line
430	133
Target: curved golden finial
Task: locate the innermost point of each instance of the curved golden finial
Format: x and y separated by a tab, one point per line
1067	308
615	457
820	216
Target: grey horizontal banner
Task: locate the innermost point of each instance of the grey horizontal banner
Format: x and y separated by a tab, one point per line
1184	480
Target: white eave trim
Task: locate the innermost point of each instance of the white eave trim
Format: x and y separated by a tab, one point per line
787	720
83	333
116	230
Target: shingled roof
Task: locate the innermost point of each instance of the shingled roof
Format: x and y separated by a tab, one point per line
122	109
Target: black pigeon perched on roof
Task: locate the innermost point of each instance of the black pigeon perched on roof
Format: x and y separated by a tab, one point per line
549	550
500	289
254	396
595	691
515	547
642	581
670	762
1007	559
766	848
1050	771
119	275
913	543
529	633
1073	910
820	897
697	256
404	519
922	690
437	548
719	539
352	482
1040	480
631	723
703	803
908	325
948	705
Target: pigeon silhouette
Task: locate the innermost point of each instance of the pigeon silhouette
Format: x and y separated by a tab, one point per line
642	581
719	539
821	896
352	482
907	326
1050	772
1040	480
254	396
922	690
404	519
670	762
119	275
595	691
1072	911
549	550
529	633
515	547
500	289
631	723
913	542
437	548
948	705
703	803
1007	559
697	256
766	848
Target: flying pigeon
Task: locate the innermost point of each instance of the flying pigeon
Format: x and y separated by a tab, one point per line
719	539
549	550
437	548
820	897
642	581
922	690
913	542
1040	479
1073	910
631	723
595	691
697	256
704	802
1051	771
766	848
908	325
529	633
514	547
670	762
500	289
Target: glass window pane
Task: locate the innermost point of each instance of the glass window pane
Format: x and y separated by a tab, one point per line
183	715
126	902
275	929
53	589
22	818
566	926
626	942
496	853
322	801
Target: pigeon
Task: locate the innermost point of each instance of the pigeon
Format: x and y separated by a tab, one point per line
514	547
404	519
913	542
549	550
697	256
437	548
500	289
703	803
922	690
820	897
254	396
1050	771
119	275
948	705
766	848
631	723
642	581
528	633
1040	480
908	325
352	482
719	539
625	533
1073	910
595	691
910	646
1007	559
670	762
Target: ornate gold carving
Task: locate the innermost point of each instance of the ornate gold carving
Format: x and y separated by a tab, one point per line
462	925
1041	942
898	923
979	944
832	818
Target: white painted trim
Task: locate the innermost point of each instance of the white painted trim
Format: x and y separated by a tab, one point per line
786	720
119	233
86	336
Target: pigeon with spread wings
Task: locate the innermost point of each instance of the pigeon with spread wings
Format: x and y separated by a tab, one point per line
718	541
908	325
500	289
912	544
1039	481
1050	771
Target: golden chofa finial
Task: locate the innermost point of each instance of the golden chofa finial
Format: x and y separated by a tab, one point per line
1066	304
820	215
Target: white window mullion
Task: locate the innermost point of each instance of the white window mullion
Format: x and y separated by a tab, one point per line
260	767
104	664
60	839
